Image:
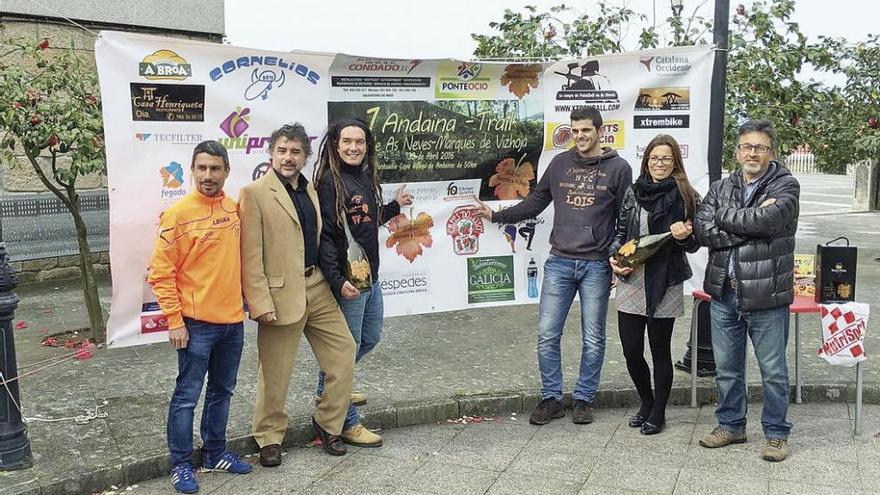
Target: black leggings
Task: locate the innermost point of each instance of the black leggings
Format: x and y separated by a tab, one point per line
632	337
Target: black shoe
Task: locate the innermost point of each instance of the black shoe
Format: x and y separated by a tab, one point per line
651	429
270	455
581	412
332	444
547	410
637	421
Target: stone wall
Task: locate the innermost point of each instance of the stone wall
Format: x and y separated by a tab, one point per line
58	268
205	18
20	177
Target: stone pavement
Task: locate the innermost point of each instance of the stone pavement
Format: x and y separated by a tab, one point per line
509	456
427	368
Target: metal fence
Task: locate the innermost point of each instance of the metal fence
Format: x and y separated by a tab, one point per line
35	226
801	163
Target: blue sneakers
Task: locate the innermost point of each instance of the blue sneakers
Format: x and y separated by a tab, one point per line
183	478
229	463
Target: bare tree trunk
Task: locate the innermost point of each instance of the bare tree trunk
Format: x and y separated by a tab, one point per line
87	272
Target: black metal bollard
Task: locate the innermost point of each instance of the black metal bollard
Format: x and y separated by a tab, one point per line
15	448
705	357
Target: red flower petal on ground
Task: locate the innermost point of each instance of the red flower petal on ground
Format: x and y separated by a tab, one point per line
50	342
21	325
86	351
69	344
43	44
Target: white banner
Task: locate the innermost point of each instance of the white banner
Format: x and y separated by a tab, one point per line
640	95
843	333
163	96
448	129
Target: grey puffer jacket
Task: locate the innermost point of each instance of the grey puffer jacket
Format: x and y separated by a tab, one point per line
761	240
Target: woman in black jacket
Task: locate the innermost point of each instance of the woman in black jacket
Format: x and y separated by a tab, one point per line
651	295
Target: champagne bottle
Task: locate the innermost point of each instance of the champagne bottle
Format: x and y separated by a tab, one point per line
637	251
357	267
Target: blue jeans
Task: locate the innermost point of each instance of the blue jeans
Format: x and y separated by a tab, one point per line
215	350
768	331
364	315
591	280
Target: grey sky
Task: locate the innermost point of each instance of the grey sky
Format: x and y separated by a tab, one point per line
438	29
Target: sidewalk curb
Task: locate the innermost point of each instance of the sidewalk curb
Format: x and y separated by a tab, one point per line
132	471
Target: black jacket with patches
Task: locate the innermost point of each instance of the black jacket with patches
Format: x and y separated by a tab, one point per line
363	217
760	240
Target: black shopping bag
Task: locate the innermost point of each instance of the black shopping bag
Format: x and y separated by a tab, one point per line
836	272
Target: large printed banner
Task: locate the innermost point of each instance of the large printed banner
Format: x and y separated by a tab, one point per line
450	130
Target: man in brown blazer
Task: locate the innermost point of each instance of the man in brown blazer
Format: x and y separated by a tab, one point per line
289	297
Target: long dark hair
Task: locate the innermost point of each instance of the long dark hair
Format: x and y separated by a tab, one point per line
688	194
329	162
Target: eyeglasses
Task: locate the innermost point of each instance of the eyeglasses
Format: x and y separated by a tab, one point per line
756	148
665	160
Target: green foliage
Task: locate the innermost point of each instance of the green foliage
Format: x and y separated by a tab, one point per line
535	36
862	90
49	108
768	53
49	105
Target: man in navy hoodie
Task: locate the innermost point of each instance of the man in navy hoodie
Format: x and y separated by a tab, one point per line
586	186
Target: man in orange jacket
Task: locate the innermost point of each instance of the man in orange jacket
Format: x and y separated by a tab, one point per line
195	272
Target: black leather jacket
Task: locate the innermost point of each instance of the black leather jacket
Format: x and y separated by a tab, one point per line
629	226
761	240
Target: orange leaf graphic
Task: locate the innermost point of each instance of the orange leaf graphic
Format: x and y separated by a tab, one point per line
510	181
518	78
410	235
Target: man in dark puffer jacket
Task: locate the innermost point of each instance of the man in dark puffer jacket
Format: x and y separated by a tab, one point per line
748	220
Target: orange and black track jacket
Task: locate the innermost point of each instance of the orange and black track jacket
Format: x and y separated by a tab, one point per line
195	270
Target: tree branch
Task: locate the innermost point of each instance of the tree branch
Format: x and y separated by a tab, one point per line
55	171
46	182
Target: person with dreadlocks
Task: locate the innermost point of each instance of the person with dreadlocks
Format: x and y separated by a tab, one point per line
352	211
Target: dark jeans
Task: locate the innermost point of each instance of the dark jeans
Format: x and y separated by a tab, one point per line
768	331
215	350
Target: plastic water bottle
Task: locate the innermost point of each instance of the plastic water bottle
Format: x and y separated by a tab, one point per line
532	275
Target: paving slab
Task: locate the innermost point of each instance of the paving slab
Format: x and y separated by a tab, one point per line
656	465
